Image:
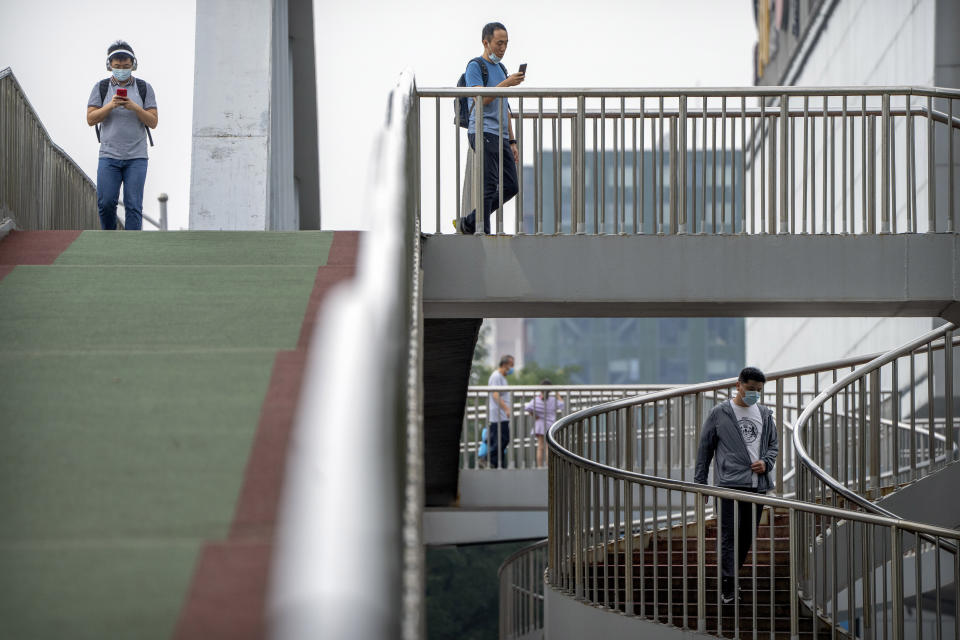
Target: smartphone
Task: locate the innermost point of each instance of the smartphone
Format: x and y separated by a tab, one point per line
523	68
121	92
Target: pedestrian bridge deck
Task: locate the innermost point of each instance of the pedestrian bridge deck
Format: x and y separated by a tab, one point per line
692	275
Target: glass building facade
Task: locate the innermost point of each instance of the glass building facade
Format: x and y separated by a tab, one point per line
634	350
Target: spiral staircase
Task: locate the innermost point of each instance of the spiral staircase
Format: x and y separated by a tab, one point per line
631	537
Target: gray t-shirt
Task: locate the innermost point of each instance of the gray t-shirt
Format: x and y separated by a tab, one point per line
122	135
496	412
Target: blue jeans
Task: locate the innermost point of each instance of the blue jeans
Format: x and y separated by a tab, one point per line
133	174
498	438
491	180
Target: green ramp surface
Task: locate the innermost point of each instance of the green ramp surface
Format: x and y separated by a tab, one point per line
133	369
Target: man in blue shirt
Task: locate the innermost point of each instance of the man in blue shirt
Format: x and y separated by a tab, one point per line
494	39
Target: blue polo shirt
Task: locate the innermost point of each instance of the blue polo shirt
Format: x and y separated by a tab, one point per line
495	76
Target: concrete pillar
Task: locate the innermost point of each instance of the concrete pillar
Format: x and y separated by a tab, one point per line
247	172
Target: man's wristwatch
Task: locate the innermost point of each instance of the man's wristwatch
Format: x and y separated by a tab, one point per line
512	142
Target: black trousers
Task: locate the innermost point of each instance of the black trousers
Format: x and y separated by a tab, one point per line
745	532
491	180
498	437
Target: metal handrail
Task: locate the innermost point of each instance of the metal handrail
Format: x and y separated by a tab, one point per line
42	187
367	487
521	579
592	503
521	450
794	161
693	92
805	459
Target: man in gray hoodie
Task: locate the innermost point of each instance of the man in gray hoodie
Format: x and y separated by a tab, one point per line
741	434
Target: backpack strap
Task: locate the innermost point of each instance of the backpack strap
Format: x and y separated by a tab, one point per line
483	69
104	85
142	88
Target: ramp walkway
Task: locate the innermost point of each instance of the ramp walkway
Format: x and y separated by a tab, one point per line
149	383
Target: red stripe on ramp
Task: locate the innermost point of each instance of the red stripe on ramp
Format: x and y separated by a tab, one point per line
35	247
226	597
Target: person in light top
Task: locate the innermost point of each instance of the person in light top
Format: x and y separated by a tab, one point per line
122	107
498	411
741	435
544	410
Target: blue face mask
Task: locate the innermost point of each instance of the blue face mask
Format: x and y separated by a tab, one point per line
494	58
121	74
751	398
510	371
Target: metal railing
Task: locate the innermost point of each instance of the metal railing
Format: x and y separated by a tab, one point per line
847	453
41	187
160	224
756	160
846	445
521	452
521	579
623	508
355	465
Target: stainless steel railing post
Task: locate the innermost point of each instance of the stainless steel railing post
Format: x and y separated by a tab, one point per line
784	148
163	211
682	162
479	204
885	165
579	163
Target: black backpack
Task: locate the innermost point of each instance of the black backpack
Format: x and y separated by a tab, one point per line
141	87
460	105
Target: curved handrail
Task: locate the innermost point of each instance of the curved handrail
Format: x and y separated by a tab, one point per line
595	497
803	456
522	591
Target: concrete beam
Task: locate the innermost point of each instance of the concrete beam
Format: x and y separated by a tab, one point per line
503	489
691	275
445	526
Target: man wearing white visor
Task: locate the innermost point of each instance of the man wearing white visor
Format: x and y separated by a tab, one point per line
121	107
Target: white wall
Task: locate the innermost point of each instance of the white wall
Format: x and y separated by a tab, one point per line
874	42
229	182
865	42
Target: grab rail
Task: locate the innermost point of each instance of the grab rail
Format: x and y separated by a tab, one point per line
727	160
608	521
521	578
864	407
41	187
367	487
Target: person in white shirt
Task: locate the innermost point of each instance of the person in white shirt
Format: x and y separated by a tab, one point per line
742	435
544	410
498	412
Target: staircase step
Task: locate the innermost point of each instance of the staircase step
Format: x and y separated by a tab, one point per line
677	570
760	543
710	556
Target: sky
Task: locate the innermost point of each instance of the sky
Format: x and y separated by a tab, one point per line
57	48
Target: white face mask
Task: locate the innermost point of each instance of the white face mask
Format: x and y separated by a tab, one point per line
494	58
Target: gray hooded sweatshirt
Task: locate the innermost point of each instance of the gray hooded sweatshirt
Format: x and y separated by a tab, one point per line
721	438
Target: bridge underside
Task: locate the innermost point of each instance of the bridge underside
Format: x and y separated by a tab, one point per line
692	275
